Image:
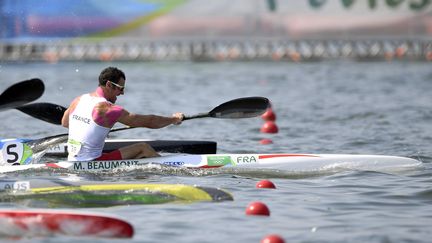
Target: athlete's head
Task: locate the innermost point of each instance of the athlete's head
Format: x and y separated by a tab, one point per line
111	74
112	80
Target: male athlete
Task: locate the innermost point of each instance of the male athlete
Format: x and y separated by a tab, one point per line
91	116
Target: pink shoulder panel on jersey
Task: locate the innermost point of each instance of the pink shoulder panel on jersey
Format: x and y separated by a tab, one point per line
110	117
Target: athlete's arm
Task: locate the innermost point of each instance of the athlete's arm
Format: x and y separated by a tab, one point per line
149	121
65	118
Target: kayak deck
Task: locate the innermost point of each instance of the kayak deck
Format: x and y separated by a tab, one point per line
167	146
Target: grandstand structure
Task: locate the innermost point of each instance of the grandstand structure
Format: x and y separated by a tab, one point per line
223	30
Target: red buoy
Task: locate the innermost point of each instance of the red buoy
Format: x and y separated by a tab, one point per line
269	127
257	208
265	184
272	239
269	115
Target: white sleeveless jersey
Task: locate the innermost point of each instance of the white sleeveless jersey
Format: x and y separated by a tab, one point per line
86	138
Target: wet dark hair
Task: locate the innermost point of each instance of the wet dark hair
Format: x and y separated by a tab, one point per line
112	74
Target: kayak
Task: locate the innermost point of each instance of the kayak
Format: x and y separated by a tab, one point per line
62	193
48	222
19	151
283	162
168	146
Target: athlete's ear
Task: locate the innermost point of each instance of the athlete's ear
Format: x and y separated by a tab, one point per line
108	84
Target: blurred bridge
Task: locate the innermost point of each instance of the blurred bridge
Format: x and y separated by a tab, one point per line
227	49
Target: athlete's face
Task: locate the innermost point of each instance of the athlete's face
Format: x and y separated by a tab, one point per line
116	89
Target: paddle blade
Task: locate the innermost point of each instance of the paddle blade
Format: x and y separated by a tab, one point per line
241	108
21	93
48	112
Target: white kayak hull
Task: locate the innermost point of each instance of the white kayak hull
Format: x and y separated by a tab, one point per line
286	162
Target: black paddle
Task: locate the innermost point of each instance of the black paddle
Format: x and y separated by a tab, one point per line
238	108
21	93
246	107
18	95
48	112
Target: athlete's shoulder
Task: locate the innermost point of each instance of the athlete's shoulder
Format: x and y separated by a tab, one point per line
106	114
106	105
115	109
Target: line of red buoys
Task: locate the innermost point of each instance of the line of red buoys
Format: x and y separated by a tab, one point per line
269	125
261	209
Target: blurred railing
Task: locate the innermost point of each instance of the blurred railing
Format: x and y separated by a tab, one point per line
228	49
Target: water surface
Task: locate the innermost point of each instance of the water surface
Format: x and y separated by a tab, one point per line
331	107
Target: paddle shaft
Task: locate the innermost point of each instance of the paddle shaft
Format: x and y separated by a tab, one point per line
200	115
